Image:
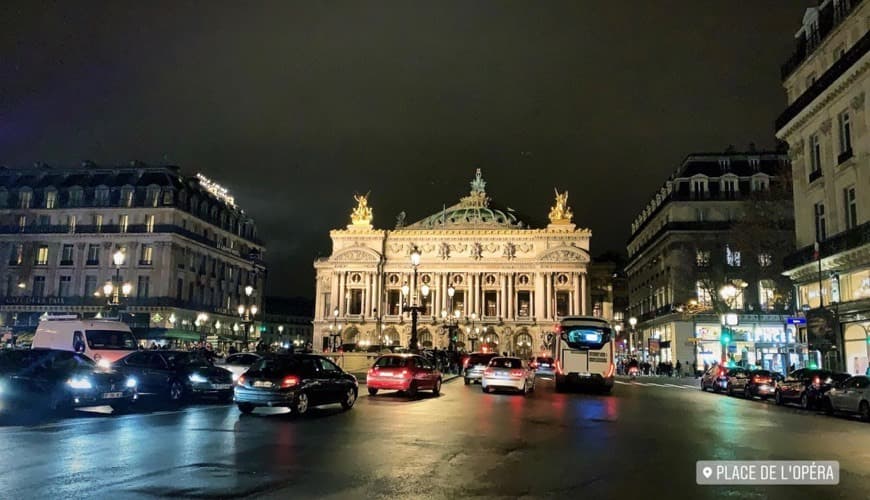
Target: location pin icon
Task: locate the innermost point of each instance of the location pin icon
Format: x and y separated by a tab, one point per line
707	472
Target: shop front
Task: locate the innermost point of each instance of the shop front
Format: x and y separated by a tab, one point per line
750	343
856	346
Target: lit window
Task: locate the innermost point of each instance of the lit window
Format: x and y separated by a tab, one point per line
765	260
24	199
98	223
821	228
22	222
703	294
815	153
147	255
702	258
767	294
71	223
845	132
123	223
42	255
149	223
732	257
50	199
851	202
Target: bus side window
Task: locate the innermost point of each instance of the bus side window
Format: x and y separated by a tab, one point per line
78	342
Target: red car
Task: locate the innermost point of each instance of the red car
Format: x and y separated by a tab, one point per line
403	372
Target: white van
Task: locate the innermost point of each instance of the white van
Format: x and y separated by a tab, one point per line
104	341
584	353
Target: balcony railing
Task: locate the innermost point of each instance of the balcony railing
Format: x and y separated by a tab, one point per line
844	156
829	18
132	302
826	80
851	238
117	229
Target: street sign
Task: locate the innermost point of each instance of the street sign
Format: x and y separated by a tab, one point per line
796	321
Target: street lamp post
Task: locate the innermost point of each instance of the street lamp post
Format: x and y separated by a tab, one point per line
413	303
200	322
450	320
333	330
113	289
632	321
247	313
473	331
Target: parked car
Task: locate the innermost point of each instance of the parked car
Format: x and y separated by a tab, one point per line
736	379
762	384
403	372
715	379
239	363
543	365
60	380
850	396
177	375
295	381
806	386
475	364
508	373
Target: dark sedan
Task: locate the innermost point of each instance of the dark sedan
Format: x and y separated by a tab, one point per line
298	382
60	381
807	386
177	375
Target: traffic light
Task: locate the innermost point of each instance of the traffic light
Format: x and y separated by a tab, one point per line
726	338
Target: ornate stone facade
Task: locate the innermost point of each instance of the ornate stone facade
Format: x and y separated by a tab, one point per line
511	281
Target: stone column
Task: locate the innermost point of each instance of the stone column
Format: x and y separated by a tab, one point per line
511	298
333	296
367	296
342	289
583	294
469	300
548	296
576	295
538	307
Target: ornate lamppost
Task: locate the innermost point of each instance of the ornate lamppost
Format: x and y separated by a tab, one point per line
247	313
413	304
632	321
113	289
473	331
450	320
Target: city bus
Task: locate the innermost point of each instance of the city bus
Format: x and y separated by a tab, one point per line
583	353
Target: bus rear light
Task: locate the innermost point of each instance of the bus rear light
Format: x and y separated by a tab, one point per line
559	366
610	370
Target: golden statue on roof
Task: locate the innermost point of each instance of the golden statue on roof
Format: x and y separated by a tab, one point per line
561	213
362	214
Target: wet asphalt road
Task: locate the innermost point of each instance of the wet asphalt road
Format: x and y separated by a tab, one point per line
640	442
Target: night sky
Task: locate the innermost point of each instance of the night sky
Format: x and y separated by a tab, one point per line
295	106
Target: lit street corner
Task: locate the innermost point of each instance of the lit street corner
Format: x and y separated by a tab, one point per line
461	444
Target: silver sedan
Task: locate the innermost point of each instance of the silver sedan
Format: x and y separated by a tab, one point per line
851	396
508	373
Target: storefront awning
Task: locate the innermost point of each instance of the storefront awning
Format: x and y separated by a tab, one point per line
181	335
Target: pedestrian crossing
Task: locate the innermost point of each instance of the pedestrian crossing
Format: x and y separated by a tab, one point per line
655	384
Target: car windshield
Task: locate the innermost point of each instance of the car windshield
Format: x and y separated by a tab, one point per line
111	339
188	360
586	337
506	363
391	362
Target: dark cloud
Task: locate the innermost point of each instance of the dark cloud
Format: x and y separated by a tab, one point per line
297	105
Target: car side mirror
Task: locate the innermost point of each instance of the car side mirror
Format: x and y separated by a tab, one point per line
564	336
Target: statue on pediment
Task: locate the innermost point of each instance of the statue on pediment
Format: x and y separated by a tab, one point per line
561	213
362	214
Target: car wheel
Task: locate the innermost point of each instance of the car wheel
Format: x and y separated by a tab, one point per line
864	411
484	388
467	382
246	408
176	392
373	391
778	398
805	401
746	393
437	389
525	390
300	405
730	390
349	398
412	390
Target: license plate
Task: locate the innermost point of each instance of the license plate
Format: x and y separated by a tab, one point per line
584	375
501	373
112	395
221	386
260	383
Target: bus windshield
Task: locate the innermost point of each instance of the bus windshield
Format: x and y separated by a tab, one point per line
586	337
111	339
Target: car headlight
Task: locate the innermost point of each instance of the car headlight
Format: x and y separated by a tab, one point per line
79	383
104	363
196	378
235	376
131	383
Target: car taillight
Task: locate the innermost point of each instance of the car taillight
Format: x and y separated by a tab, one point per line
289	381
241	380
465	363
816	381
721	373
489	372
373	370
610	371
517	374
558	367
534	364
762	380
